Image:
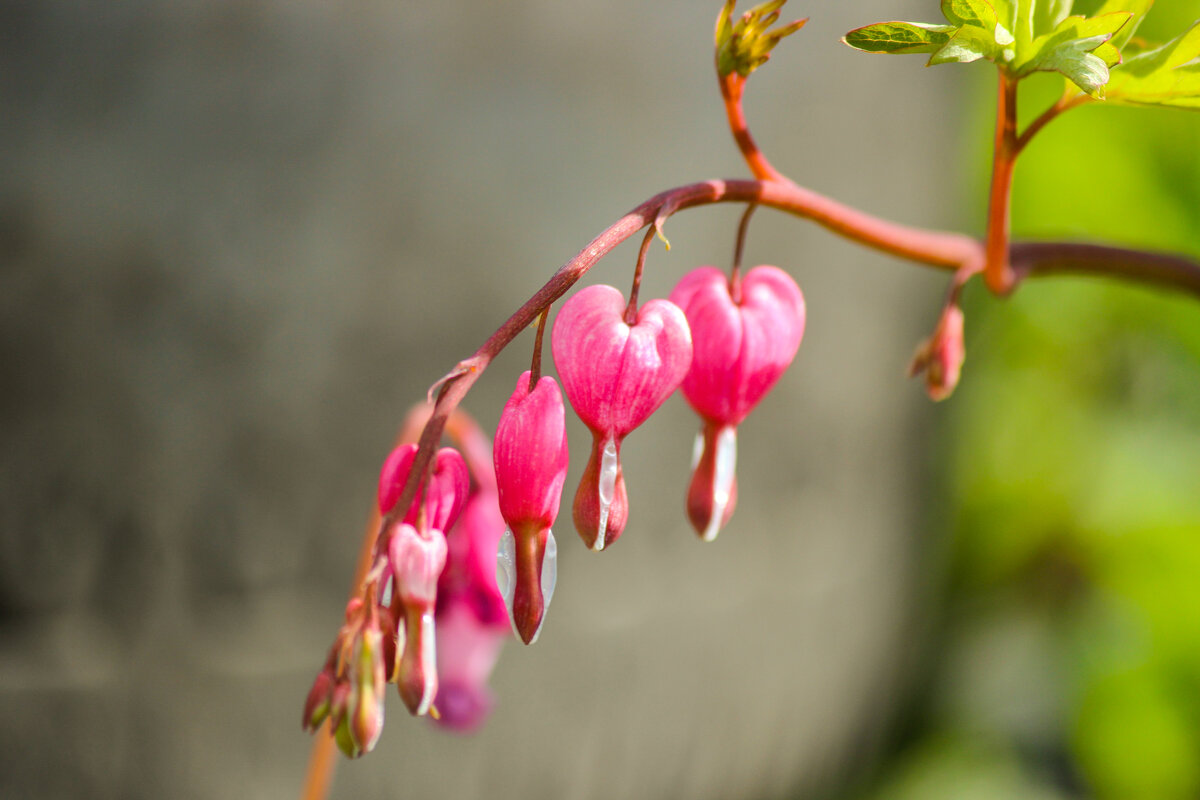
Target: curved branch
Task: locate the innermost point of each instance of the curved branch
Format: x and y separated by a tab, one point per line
1160	270
944	250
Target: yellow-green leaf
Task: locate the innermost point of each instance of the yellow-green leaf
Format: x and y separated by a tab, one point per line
1165	76
899	37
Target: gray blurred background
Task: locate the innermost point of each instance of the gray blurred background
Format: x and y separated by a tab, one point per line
238	239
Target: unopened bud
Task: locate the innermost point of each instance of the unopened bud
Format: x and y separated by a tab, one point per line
941	356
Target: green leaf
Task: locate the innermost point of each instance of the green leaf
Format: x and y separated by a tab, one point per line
1136	7
970	43
1068	50
1165	76
969	12
899	37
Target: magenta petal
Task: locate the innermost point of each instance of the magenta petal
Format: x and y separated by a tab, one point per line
467	653
448	489
740	349
531	455
470	573
617	375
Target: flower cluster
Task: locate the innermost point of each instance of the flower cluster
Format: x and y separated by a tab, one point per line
436	607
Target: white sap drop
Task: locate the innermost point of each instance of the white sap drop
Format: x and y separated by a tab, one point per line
549	578
726	462
608	488
428	663
506	571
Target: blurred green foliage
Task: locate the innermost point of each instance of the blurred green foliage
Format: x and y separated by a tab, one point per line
1067	659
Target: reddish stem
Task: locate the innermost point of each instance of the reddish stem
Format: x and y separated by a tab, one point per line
1065	103
732	87
997	273
535	369
735	273
632	308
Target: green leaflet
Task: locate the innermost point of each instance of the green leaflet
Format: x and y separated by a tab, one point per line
1027	36
899	37
1165	76
1068	49
1136	7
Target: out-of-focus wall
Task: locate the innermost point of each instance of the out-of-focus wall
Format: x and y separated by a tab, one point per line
238	238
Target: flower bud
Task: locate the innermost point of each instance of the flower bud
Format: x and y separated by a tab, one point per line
447	492
366	714
416	564
530	455
319	702
941	356
743	338
615	375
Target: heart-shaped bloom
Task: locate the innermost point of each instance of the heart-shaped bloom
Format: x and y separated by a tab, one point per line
530	454
743	338
447	492
467	653
416	562
616	375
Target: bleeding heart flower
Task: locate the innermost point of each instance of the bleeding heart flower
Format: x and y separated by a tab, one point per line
447	492
743	340
467	653
616	374
530	454
416	562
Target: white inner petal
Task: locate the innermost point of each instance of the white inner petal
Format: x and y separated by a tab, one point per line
506	571
549	578
428	663
697	450
608	488
726	463
386	599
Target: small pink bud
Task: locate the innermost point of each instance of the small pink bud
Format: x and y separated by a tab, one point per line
531	458
941	356
447	490
416	564
467	653
615	375
742	342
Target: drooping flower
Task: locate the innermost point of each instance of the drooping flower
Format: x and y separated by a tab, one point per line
531	457
616	375
416	558
449	486
416	563
941	356
743	338
467	653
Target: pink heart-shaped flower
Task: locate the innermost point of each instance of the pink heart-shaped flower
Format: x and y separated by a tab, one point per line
743	337
740	347
448	489
615	374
